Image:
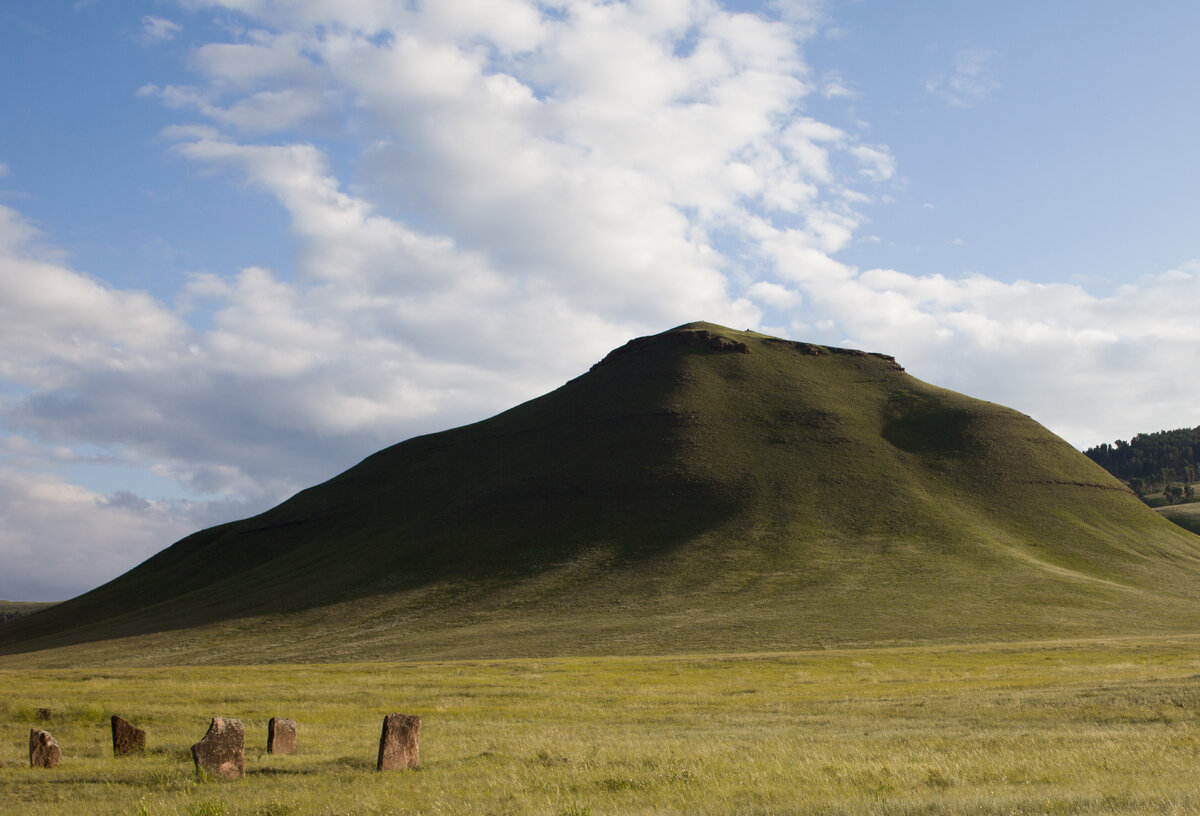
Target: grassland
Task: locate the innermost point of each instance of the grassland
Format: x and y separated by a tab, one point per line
1186	516
1081	727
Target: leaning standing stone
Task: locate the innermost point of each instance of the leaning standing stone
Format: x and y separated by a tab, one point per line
43	749
400	743
127	738
281	736
222	752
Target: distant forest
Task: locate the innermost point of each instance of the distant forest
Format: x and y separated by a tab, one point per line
1153	461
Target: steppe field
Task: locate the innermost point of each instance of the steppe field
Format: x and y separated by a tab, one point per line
1072	727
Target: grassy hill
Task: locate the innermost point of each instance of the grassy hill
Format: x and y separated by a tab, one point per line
699	490
11	610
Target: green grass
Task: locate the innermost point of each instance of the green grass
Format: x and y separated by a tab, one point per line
1083	727
676	499
1186	516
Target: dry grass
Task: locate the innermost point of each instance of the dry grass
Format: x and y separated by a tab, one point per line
1090	727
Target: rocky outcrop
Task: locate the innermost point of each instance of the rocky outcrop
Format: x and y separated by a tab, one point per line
814	350
688	337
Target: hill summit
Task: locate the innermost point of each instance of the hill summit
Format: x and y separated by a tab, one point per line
703	489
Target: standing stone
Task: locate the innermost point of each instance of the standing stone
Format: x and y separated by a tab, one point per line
400	743
44	713
43	749
281	736
222	752
127	739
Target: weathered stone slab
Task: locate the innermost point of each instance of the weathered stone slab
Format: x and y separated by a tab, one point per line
127	738
43	749
281	736
44	713
222	752
400	743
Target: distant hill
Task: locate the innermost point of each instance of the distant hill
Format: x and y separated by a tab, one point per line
11	610
703	489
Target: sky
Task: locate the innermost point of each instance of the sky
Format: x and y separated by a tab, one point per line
246	243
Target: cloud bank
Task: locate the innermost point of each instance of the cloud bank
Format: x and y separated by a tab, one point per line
484	198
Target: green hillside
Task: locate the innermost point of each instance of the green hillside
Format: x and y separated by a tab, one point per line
702	489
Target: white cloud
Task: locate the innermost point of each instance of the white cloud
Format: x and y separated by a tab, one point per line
59	539
158	30
877	161
775	295
49	312
973	79
261	58
834	86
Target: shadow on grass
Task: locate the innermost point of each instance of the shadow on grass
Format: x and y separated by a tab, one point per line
353	762
519	524
265	771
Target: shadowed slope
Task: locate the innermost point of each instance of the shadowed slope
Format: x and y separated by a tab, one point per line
699	489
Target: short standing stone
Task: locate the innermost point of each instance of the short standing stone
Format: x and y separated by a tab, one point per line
222	752
281	736
399	745
127	738
43	749
44	713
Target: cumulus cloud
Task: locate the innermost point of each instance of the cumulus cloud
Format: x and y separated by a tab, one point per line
59	538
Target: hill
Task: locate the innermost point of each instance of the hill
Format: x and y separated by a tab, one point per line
699	490
11	610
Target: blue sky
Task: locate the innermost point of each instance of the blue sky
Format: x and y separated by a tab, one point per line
244	243
1065	156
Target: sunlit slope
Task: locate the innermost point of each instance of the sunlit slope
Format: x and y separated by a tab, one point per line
702	489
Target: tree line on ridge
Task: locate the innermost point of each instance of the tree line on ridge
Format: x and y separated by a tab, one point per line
1166	461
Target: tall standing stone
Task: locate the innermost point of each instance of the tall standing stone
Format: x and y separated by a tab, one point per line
281	736
43	749
222	752
127	738
400	743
